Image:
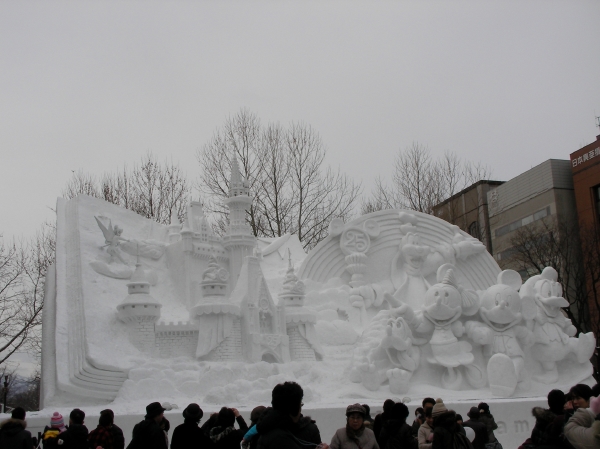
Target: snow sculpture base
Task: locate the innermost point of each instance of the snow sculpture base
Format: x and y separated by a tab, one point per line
359	321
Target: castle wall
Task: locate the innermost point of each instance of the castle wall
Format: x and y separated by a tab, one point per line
231	347
176	339
300	349
142	334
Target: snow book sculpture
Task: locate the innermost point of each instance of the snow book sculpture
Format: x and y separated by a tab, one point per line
391	303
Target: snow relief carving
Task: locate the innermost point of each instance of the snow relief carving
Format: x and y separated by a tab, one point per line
393	302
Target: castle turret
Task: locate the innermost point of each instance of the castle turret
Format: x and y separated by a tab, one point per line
238	240
140	310
218	319
174	228
300	322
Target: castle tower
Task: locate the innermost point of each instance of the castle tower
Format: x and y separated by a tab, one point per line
174	227
238	240
218	319
140	311
300	322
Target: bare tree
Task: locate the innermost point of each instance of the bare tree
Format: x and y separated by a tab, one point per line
151	189
419	182
294	192
550	243
22	275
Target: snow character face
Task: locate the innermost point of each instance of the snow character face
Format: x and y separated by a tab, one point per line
413	252
501	307
443	304
400	334
549	293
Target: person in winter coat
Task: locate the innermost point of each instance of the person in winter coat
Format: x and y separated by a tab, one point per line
283	426
396	433
418	421
425	435
76	435
382	417
583	429
250	440
580	396
50	434
488	419
107	435
12	431
368	418
188	435
148	434
549	424
446	432
480	429
355	435
224	435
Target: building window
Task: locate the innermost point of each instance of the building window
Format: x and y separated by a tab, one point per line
523	221
474	229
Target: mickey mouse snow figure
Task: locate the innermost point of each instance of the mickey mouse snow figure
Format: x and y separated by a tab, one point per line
444	304
553	332
502	309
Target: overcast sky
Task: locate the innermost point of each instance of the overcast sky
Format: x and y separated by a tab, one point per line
95	85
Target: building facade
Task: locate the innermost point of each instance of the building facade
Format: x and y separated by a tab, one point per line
468	209
585	168
542	196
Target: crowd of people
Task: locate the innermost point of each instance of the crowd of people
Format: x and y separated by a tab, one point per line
571	421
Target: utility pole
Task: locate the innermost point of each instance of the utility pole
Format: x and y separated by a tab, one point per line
5	393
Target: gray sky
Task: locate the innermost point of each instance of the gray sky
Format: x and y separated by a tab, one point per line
95	85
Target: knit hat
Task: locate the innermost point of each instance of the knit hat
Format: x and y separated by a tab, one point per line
153	410
355	408
18	413
438	408
193	412
57	421
473	413
556	401
595	404
483	407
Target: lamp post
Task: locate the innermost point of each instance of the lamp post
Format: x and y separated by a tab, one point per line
5	393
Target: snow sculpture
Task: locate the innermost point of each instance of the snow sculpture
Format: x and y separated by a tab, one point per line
412	264
218	319
502	310
444	303
386	354
553	332
140	310
355	241
300	322
387	303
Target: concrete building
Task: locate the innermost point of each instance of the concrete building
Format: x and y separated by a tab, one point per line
585	167
468	209
544	192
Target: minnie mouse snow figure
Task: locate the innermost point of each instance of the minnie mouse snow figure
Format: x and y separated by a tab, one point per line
553	332
443	306
502	309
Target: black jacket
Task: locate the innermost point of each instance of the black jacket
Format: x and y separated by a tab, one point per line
189	435
481	433
277	430
232	439
447	433
75	437
14	436
396	434
147	434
